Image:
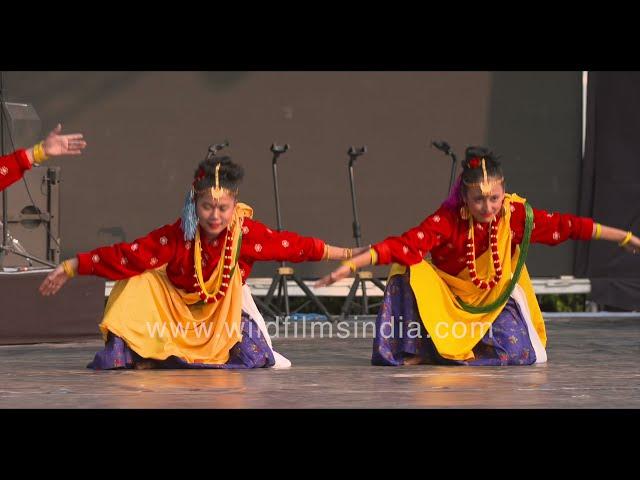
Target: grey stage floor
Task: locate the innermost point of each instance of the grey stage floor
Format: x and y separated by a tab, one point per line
592	364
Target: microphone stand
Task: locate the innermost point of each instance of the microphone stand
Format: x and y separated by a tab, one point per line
445	148
284	272
361	276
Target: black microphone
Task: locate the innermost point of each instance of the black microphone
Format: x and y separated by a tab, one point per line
356	152
445	148
215	148
279	148
442	146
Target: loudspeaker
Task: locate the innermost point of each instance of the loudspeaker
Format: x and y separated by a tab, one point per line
33	218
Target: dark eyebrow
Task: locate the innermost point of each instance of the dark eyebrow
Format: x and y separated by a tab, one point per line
209	204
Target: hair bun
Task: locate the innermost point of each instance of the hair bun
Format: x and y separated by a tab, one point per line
474	155
229	173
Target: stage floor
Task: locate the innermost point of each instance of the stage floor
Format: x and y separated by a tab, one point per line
592	363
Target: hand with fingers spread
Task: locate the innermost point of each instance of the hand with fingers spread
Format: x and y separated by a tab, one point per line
56	145
56	279
13	166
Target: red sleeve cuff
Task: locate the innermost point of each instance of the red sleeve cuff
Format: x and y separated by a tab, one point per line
585	231
384	253
318	250
23	160
85	266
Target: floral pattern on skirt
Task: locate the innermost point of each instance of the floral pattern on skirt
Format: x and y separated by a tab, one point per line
401	333
252	351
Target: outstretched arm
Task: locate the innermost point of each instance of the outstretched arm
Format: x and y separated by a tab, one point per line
626	240
13	166
406	249
553	228
261	243
367	258
56	145
56	279
119	261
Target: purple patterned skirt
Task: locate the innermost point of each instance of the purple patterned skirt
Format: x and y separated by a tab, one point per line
398	321
252	351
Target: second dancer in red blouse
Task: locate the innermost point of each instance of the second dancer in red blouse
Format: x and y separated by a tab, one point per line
472	303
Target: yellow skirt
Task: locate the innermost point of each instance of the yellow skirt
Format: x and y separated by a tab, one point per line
158	320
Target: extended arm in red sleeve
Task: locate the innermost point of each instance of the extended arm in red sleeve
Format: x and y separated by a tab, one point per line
411	247
550	228
264	244
125	260
12	167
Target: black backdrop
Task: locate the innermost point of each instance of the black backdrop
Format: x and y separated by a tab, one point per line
610	189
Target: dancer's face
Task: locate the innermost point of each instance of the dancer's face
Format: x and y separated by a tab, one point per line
214	215
484	208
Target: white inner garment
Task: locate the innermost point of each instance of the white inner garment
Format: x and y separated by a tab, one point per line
249	307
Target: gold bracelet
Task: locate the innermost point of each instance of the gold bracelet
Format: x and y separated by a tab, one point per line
44	155
68	269
627	239
374	256
38	153
598	231
351	264
347	253
325	256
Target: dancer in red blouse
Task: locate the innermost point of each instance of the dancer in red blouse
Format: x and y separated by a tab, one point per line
13	166
472	303
190	276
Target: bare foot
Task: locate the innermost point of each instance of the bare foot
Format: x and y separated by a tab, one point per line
145	364
412	360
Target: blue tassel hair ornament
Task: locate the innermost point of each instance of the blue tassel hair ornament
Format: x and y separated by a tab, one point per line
189	218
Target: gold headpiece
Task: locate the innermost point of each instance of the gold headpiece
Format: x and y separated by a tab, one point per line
216	191
486	185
